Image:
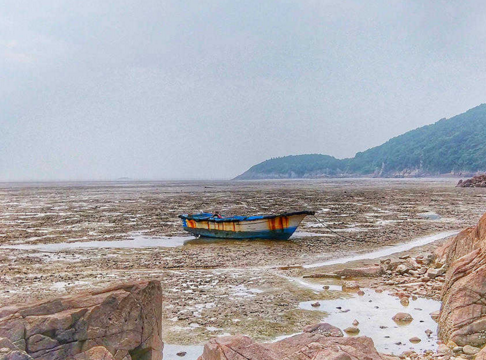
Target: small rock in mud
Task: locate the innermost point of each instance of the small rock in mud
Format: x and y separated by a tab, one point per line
415	340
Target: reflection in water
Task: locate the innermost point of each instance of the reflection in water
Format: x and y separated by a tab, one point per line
374	311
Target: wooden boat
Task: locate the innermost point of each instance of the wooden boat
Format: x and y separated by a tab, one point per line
278	227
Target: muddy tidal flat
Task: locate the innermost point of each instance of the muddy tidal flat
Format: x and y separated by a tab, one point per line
62	238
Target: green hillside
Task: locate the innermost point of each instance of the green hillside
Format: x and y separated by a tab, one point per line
455	145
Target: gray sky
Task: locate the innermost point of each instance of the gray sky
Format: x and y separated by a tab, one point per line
205	89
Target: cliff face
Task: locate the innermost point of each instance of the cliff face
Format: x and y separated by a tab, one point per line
463	313
125	320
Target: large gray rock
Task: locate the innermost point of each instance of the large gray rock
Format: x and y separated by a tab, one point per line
124	319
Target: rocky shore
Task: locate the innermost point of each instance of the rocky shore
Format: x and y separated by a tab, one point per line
475	181
121	323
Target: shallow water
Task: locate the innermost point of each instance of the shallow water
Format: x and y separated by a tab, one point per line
374	311
387	251
136	241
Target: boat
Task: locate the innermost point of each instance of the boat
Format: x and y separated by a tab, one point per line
275	227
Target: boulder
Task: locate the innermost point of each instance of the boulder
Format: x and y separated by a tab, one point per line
463	313
125	319
324	329
303	346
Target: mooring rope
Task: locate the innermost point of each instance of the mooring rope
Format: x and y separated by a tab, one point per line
340	235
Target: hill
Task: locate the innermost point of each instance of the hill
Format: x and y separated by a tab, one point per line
450	146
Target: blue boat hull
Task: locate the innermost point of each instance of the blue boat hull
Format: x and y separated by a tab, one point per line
240	235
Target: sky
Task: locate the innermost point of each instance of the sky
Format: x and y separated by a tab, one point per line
204	89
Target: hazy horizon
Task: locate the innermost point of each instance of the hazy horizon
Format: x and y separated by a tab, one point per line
163	90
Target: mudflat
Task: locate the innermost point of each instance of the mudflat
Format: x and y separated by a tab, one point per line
63	238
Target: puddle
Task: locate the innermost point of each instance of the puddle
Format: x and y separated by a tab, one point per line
374	311
192	351
136	241
387	251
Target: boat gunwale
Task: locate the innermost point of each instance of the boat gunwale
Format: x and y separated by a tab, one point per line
262	217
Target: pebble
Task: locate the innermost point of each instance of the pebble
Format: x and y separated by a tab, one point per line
316	304
181	353
415	340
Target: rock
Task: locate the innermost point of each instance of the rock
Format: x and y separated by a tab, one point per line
470	350
428	332
326	287
95	353
402	269
306	345
402	318
316	304
432	273
352	330
355	322
361	293
350	286
324	329
181	353
463	313
415	340
126	319
475	181
404	301
370	271
435	315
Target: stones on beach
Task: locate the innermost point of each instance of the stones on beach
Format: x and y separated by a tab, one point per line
352	330
324	329
402	318
435	315
350	286
415	340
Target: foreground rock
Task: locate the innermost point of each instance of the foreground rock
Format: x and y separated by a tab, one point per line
308	345
463	314
125	320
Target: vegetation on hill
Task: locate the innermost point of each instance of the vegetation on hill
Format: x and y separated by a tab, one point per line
452	145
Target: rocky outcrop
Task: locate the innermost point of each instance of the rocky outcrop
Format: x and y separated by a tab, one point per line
125	320
9	351
308	345
462	318
475	181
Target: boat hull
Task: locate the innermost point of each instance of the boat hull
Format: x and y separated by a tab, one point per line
277	228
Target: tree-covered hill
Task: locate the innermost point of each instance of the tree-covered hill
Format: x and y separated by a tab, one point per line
450	146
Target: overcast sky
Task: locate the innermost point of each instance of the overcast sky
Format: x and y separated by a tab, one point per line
206	89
